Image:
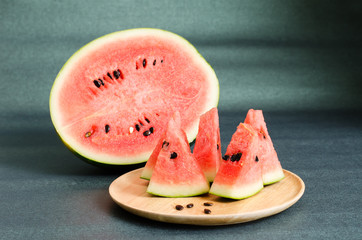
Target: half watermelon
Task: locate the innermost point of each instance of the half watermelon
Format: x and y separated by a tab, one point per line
176	172
270	166
111	101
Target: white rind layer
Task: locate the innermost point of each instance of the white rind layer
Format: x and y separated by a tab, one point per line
236	192
174	190
273	177
105	158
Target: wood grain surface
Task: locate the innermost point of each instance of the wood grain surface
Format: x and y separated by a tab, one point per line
129	191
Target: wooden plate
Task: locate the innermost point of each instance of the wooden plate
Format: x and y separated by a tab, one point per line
129	191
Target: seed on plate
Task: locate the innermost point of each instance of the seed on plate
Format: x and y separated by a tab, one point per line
179	207
207	211
208	204
190	205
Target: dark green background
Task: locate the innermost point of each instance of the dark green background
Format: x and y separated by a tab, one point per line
299	61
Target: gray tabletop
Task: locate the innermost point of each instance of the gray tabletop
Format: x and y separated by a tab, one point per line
299	61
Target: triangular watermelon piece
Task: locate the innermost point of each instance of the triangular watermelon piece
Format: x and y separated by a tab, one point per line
176	172
239	175
207	149
270	166
148	169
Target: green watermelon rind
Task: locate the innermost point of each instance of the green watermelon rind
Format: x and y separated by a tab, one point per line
235	198
189	193
274	181
191	134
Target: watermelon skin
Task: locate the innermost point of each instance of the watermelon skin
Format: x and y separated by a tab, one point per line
270	165
207	149
241	178
78	106
177	175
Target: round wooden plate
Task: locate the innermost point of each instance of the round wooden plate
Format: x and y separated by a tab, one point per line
129	191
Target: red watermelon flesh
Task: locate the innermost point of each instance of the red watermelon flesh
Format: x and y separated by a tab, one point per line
176	172
148	169
111	101
270	166
239	175
207	149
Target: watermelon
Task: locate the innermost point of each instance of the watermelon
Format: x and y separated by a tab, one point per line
151	162
111	101
176	172
207	149
239	175
270	166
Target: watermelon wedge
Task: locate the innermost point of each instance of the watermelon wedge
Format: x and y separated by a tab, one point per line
176	172
207	149
239	175
150	165
270	166
111	101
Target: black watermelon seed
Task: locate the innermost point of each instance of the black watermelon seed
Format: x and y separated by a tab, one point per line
107	128
208	203
98	84
137	127
147	133
190	205
162	61
226	157
207	211
217	146
236	157
147	120
109	75
151	129
144	63
165	144
264	136
116	74
101	81
88	134
179	207
256	159
154	62
173	155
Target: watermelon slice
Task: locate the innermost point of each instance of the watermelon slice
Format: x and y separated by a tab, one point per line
239	175
270	166
148	169
207	149
176	172
111	101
